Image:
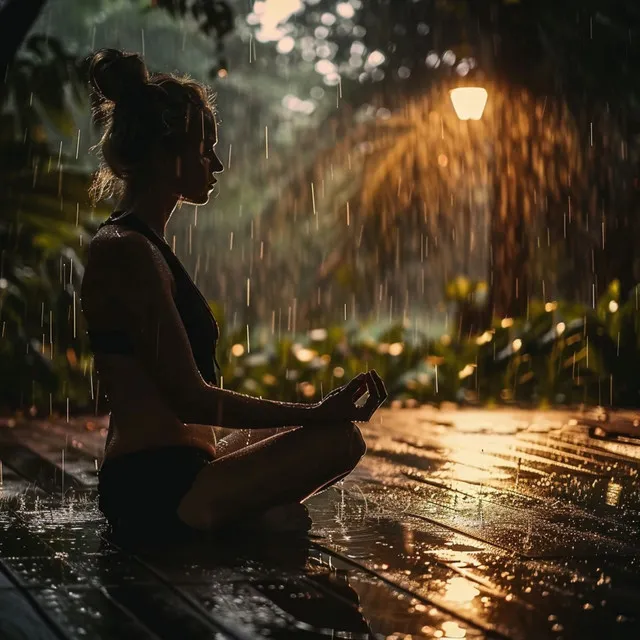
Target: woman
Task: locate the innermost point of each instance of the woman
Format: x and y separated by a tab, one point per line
154	337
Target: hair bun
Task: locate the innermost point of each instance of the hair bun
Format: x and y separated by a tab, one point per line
114	74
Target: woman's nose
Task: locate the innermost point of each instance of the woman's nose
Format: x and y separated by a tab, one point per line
216	164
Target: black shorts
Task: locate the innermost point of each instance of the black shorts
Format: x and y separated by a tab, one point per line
139	493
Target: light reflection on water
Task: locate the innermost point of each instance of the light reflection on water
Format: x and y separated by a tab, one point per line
451	630
614	490
460	590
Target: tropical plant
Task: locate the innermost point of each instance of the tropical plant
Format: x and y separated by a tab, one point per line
558	354
43	190
400	189
213	17
45	221
538	109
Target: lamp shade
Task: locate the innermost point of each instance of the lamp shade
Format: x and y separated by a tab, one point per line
469	102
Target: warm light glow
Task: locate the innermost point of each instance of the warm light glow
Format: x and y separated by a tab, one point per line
613	493
396	349
237	350
613	306
305	355
484	338
345	10
308	390
453	630
272	15
466	371
318	334
460	590
286	45
469	102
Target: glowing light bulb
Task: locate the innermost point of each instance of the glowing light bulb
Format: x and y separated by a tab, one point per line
469	102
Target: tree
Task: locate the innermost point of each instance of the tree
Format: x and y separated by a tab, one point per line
42	223
214	17
520	47
16	18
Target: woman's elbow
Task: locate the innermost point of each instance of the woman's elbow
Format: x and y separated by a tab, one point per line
195	404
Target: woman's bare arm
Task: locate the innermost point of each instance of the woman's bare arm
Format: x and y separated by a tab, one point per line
141	282
226	408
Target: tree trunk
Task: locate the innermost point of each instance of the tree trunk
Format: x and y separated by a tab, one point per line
508	272
509	285
16	19
509	269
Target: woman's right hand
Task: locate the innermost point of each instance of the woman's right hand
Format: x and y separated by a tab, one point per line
340	404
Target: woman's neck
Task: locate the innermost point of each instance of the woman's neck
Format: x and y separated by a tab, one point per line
152	205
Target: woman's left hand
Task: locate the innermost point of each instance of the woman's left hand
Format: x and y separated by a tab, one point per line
372	389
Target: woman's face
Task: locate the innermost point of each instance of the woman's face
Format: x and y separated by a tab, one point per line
198	164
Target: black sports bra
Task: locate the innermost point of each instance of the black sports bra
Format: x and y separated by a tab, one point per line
198	320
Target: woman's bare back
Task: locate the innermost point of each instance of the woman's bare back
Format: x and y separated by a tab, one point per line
140	418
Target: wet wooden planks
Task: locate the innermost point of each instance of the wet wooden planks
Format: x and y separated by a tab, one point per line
444	531
76	583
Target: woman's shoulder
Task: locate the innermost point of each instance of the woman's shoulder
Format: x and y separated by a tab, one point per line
118	255
113	242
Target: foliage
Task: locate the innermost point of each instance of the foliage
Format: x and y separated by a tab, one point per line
397	192
44	222
560	354
212	17
573	63
42	233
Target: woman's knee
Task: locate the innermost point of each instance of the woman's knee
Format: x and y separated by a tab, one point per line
348	440
359	444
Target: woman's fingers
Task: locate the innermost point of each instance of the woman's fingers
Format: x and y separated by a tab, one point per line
365	412
362	396
356	382
361	385
382	390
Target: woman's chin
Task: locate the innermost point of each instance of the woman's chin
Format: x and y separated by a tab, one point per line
200	199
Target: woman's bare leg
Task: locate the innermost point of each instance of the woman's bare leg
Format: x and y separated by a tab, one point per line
241	438
284	468
290	517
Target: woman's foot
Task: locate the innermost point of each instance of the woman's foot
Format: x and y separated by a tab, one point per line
286	518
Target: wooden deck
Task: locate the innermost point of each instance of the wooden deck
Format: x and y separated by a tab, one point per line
455	525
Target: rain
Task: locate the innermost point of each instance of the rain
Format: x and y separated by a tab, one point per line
443	191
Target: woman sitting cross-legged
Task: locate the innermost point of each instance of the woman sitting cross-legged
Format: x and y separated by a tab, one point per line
154	336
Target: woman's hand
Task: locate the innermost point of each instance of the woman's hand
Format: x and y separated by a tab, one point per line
356	401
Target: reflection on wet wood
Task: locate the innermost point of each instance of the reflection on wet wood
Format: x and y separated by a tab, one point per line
455	525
